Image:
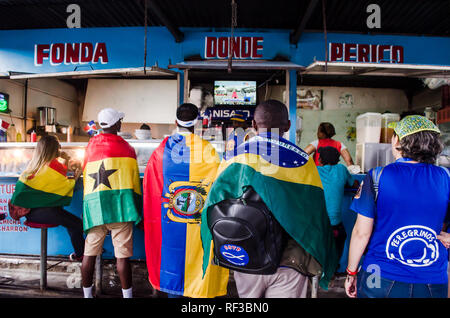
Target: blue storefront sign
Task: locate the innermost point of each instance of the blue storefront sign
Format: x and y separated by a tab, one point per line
63	50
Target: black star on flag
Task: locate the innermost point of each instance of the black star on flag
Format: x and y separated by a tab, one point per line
101	177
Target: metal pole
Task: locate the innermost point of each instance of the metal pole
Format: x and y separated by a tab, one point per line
98	275
43	280
324	19
25	110
314	286
145	37
186	86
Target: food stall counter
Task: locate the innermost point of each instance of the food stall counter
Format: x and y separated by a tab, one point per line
19	239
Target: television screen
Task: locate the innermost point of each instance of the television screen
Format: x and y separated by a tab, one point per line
4	103
235	93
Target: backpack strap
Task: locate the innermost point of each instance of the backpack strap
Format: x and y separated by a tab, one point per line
376	175
446	170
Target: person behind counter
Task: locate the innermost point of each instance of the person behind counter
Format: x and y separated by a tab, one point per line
325	133
45	189
112	199
401	210
334	177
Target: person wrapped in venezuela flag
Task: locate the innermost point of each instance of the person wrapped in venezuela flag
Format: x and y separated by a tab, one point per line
177	179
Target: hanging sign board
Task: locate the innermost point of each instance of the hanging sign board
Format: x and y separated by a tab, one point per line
70	53
365	53
244	47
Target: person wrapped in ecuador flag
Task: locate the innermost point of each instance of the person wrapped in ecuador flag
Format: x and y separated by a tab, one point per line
289	184
177	179
112	190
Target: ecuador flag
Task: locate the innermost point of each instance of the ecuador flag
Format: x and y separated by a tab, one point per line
49	187
289	184
112	191
177	179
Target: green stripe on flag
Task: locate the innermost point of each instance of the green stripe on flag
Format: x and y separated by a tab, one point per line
28	197
111	206
303	215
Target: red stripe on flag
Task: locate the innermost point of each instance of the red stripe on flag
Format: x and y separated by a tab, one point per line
153	184
107	146
58	167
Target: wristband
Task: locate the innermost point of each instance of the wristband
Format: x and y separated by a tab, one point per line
350	273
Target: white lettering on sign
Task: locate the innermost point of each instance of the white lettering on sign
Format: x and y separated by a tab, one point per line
226	113
70	53
244	47
365	53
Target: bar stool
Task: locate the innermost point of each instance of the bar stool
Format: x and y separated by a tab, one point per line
43	257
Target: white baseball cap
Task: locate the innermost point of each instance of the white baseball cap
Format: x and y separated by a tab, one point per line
107	117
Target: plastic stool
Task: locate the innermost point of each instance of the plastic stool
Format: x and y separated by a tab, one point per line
43	257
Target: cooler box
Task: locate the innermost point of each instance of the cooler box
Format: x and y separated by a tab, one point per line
386	133
368	128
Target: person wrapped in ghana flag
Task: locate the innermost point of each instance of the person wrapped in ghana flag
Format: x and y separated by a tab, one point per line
177	179
112	199
45	189
288	182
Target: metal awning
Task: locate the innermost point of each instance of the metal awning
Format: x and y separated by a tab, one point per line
237	65
153	71
379	69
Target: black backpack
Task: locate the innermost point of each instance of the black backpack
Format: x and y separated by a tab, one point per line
247	238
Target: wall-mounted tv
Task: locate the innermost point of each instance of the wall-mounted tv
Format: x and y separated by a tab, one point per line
235	93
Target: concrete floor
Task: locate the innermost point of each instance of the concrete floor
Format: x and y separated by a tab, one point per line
19	278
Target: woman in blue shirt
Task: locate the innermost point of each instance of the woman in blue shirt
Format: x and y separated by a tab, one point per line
400	218
334	177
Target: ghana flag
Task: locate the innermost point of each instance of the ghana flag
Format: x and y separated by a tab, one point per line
177	179
112	190
49	187
289	184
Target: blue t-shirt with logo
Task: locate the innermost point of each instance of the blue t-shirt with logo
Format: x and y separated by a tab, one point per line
410	211
334	178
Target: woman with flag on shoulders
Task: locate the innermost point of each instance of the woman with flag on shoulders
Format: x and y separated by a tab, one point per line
45	189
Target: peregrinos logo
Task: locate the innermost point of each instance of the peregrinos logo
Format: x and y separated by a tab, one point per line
413	245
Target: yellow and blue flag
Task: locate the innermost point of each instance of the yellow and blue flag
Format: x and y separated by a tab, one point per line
177	178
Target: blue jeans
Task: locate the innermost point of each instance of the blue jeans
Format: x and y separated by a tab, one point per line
369	286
